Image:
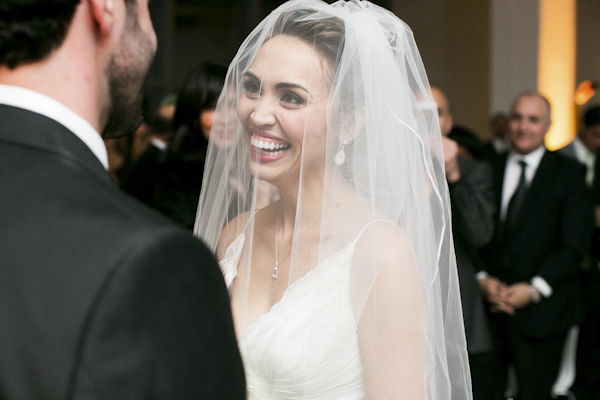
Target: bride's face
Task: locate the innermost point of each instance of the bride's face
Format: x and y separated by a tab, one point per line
283	110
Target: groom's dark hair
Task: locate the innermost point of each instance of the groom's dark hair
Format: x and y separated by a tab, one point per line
30	30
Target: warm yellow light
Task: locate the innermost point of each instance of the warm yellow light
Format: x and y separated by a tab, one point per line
556	67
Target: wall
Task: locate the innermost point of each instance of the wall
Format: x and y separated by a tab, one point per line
514	50
453	38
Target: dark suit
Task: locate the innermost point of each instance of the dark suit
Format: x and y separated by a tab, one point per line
140	179
568	151
587	384
100	298
177	189
472	225
550	239
473	211
596	186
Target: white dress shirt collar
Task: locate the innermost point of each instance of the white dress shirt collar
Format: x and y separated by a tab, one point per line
585	157
159	144
40	104
512	173
581	151
532	160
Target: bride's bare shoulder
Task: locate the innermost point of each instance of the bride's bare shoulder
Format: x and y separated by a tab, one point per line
386	239
240	224
231	231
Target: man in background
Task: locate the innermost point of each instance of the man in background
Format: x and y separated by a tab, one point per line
532	268
584	148
472	202
498	143
586	144
99	296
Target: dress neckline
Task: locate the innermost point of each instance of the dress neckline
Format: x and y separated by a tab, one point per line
235	259
292	286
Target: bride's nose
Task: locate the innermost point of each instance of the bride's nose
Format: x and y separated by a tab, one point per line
262	114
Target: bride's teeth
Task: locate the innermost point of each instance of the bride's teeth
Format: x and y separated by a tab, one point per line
268	146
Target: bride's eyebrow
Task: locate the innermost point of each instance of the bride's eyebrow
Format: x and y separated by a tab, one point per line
281	85
287	85
250	75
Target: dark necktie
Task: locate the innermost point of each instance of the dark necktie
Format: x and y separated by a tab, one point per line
516	201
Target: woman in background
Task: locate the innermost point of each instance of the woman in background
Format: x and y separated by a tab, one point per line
177	188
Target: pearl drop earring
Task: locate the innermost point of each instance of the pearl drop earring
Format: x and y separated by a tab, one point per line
340	157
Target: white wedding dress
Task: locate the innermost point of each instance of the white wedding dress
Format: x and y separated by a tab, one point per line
306	346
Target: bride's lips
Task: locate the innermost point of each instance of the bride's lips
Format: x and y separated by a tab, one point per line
267	148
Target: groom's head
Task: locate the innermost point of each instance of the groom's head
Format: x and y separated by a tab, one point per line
107	45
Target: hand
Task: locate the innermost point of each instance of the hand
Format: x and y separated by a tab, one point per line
502	308
496	292
451	159
519	295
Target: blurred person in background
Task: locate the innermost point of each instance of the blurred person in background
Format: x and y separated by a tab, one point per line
473	210
469	144
533	262
498	143
584	148
177	187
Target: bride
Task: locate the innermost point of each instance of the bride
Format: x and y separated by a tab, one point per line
345	287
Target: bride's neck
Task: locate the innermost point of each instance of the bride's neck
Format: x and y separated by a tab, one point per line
307	207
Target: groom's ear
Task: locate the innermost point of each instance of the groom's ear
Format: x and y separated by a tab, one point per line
103	14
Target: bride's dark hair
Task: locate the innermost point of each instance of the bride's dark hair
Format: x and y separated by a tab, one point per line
326	35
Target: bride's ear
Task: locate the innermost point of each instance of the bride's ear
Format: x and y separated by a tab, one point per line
353	124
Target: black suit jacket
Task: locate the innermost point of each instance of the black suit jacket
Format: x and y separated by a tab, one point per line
473	212
141	177
596	186
552	236
100	297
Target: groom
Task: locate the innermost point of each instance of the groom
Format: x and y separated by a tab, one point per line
99	296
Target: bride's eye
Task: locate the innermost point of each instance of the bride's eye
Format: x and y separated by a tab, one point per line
291	98
252	89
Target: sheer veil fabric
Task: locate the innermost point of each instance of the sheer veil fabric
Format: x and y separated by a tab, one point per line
331	165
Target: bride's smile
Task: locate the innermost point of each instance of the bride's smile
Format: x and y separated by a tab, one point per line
267	148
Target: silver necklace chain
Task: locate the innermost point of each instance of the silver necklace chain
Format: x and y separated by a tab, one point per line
276	268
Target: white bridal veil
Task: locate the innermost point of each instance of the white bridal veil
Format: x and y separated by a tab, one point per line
367	193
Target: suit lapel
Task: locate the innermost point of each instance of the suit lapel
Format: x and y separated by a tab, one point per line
499	168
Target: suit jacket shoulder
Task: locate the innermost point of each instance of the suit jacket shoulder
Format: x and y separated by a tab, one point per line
96	287
568	151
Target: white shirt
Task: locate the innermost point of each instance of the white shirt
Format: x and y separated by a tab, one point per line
500	145
586	157
512	174
159	144
40	104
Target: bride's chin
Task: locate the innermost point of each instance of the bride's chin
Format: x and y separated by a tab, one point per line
275	175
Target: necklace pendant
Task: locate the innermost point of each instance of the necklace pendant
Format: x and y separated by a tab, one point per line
275	271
